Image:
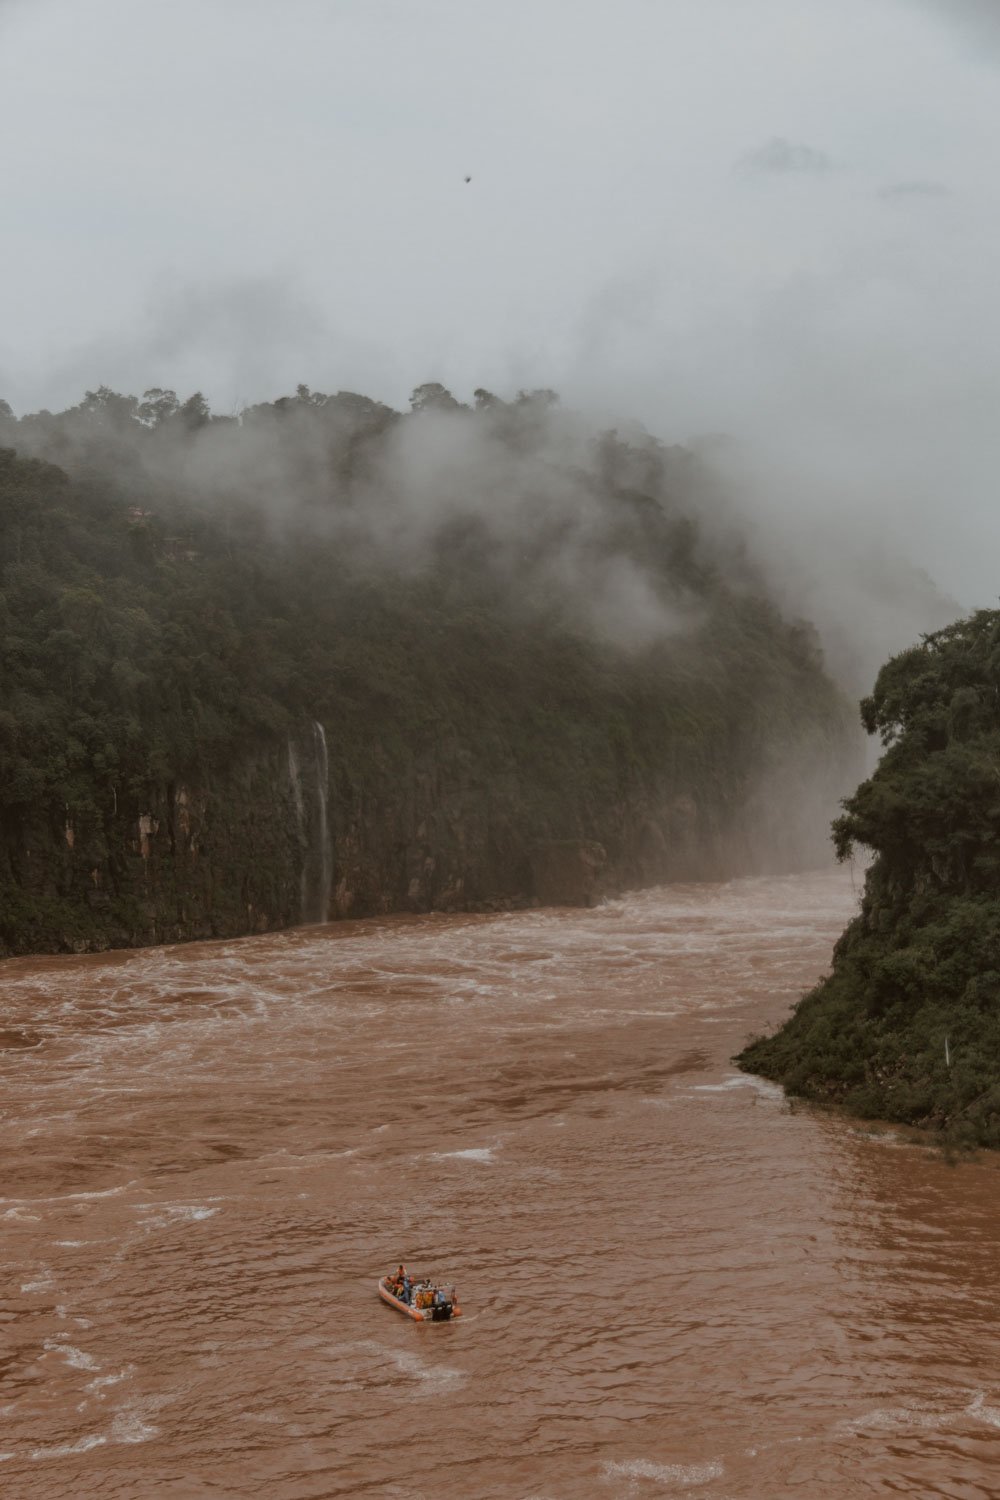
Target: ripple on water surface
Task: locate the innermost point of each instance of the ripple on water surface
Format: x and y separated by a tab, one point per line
670	1282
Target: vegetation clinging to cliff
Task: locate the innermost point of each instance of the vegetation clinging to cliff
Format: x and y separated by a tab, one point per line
907	1025
499	588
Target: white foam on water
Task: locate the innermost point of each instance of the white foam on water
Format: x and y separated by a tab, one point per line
617	1012
66	1450
128	1426
977	1408
72	1197
19	1213
165	1214
675	1474
284	1161
900	1419
473	1153
878	1137
434	1378
5	1456
45	1285
741	1081
77	1358
103	1380
765	1089
431	1379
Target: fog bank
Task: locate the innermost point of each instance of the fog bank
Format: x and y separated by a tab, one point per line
781	227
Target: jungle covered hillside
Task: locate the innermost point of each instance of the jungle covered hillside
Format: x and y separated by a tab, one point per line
325	658
907	1025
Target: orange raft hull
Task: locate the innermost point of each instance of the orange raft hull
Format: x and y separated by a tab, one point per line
418	1314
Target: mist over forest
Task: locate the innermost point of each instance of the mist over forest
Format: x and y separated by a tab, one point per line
668	218
520	485
445	653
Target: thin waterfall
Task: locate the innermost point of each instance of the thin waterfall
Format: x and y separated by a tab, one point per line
325	852
295	781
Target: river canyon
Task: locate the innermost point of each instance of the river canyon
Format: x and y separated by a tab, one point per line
672	1283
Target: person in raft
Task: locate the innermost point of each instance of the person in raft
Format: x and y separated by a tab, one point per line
399	1285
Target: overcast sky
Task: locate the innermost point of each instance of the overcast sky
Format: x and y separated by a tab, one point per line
778	219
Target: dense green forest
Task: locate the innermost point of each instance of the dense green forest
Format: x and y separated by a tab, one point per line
907	1025
327	658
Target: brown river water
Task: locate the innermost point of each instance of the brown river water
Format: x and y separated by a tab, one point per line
672	1283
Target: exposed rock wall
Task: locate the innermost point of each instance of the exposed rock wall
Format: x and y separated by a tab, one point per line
244	851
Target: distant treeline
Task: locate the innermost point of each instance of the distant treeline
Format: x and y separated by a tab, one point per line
497	593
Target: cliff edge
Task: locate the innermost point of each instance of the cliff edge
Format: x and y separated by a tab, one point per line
907	1025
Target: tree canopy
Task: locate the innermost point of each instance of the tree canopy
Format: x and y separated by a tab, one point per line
907	1026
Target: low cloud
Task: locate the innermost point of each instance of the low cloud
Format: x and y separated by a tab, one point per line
238	335
979	18
783	157
917	188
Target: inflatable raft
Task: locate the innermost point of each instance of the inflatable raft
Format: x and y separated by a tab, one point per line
427	1303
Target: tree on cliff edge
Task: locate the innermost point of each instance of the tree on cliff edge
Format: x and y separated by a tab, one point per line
919	966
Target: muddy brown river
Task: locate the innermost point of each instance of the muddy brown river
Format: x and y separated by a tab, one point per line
672	1283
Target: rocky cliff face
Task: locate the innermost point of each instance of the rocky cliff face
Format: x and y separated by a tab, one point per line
358	687
289	835
169	863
